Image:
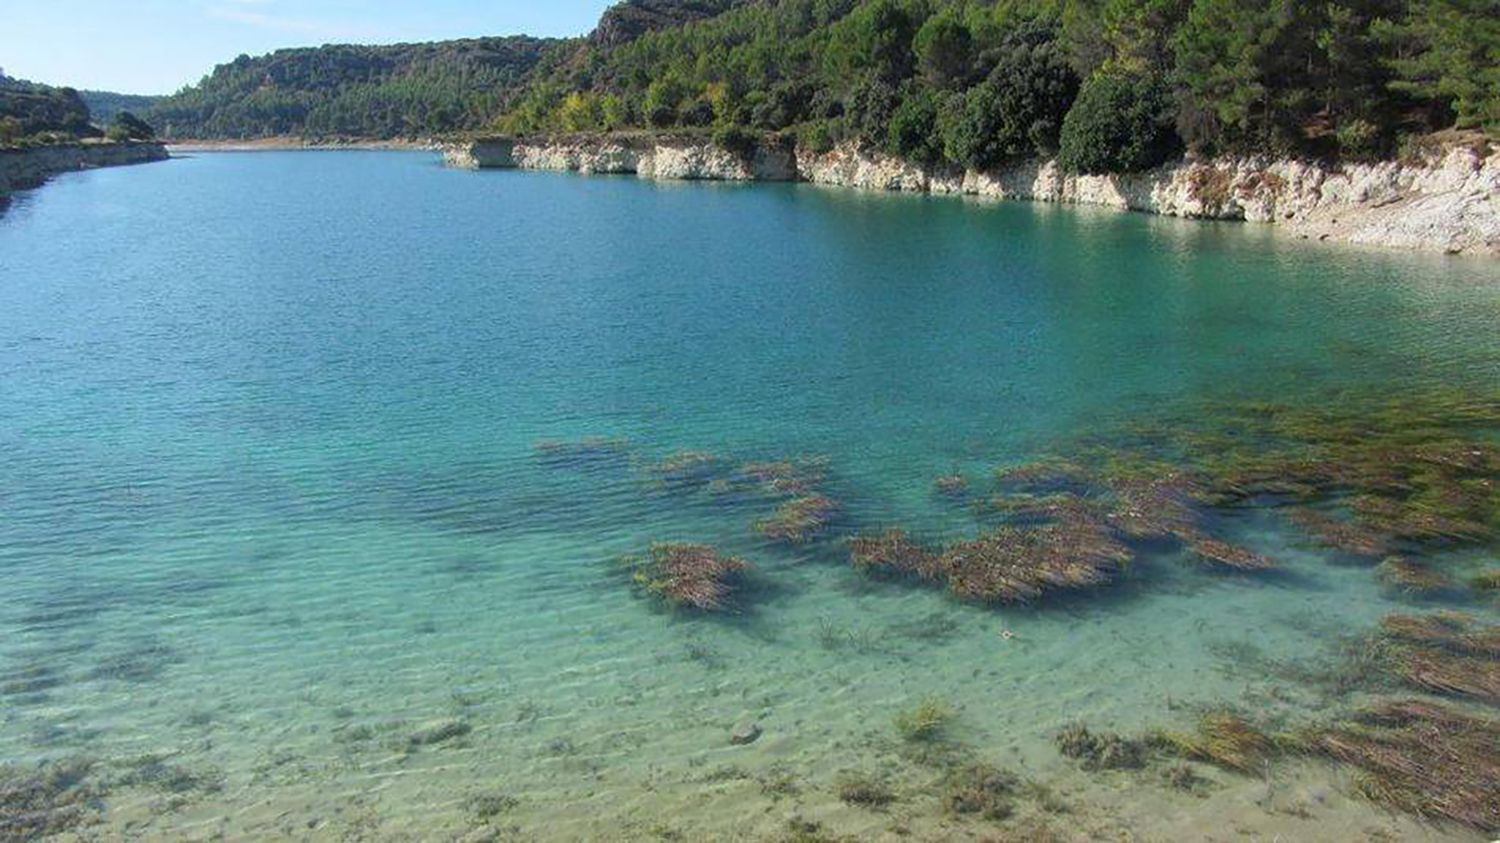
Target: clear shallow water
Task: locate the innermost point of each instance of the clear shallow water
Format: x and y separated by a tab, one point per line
272	505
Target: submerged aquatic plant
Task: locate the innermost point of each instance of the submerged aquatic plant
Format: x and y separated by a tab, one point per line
894	552
1216	552
1338	534
981	789
1422	758
1224	739
1409	577
47	800
1007	564
799	520
685	468
796	476
951	485
1100	750
687	575
1446	653
864	791
926	721
583	451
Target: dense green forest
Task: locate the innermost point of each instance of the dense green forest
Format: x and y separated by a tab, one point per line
380	92
1108	85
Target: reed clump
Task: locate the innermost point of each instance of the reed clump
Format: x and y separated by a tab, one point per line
1008	564
1454	631
1224	554
864	791
1446	653
693	576
799	520
1338	534
981	789
893	551
1100	750
1013	564
925	722
685	468
1406	576
1422	758
798	476
1224	739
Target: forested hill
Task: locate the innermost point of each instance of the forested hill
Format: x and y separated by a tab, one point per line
359	91
1109	85
29	109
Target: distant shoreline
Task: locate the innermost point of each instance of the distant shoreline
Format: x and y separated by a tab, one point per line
277	144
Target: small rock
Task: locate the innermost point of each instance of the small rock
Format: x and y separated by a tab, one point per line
745	733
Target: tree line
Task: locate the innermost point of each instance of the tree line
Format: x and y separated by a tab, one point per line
1108	85
350	90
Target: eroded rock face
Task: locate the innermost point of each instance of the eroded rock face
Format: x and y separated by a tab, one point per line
629	20
1448	203
655	159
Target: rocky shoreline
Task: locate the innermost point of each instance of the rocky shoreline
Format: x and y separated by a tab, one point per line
289	143
24	169
1448	202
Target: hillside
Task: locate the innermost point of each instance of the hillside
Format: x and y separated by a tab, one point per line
1106	85
29	109
104	106
1111	85
349	90
625	22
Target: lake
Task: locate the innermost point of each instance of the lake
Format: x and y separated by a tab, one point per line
322	473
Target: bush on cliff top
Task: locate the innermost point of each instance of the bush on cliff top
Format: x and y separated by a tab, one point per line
1121	122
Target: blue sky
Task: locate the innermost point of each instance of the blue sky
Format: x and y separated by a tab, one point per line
157	46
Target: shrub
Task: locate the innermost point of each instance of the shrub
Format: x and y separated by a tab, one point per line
944	48
913	130
738	140
1017	111
820	137
1121	122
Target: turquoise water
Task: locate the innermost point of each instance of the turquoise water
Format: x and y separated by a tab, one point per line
272	504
